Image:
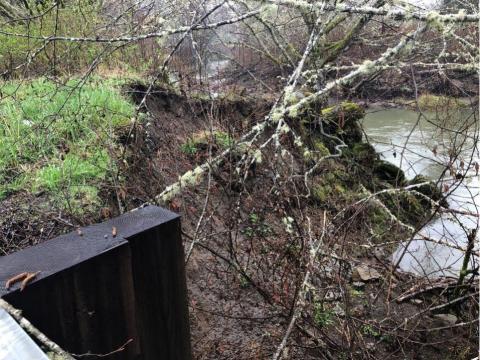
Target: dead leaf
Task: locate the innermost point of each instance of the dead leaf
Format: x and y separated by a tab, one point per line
15	279
28	279
341	120
122	193
105	213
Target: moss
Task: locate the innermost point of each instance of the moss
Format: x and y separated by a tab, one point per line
389	173
319	194
335	45
277	116
429	189
223	139
382	227
306	128
429	102
319	146
406	206
364	153
342	120
200	141
201	96
380	217
352	112
332	187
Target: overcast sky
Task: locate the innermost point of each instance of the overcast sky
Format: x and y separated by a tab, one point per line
424	3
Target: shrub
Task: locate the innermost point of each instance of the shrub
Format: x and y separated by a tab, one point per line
429	102
81	18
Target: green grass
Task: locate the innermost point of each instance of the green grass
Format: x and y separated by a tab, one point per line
322	317
202	140
430	102
189	148
257	227
59	138
370	330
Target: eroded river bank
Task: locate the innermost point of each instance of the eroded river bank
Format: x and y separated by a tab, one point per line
437	149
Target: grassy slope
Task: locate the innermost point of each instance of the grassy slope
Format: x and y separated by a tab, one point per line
60	139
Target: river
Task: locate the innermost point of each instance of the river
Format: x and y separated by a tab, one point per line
427	153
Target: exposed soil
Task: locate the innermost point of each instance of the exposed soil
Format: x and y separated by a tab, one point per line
245	269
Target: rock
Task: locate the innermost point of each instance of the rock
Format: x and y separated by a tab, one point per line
358	285
332	295
365	273
449	319
416	301
338	310
379	252
388	172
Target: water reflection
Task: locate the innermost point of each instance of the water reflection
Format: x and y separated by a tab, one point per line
419	147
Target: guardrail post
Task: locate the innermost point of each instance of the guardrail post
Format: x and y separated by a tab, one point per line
115	283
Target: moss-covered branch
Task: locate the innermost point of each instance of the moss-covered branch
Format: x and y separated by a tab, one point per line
334	49
393	13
